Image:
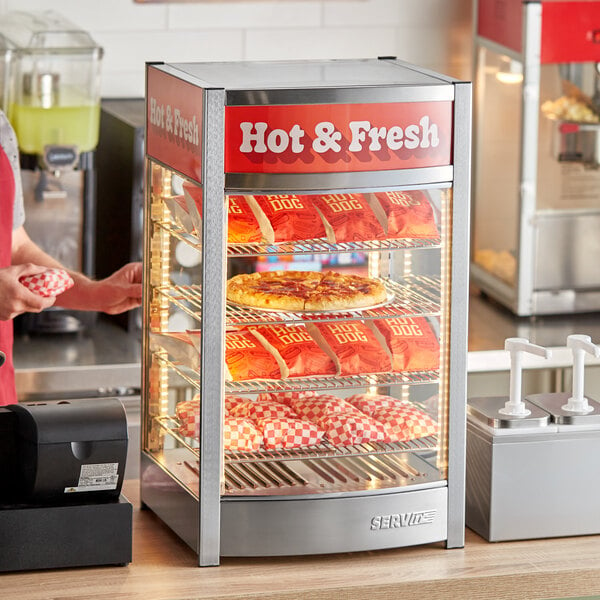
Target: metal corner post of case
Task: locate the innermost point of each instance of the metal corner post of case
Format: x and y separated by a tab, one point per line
212	327
459	318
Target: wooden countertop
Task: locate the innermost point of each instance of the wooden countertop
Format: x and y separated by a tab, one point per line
164	568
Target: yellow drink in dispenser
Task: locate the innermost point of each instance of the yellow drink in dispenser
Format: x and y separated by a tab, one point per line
37	127
50	83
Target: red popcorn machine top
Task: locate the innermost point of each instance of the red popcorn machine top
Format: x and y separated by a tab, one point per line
536	200
305	323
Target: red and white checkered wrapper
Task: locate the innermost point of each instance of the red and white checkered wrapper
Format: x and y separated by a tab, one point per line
251	409
406	422
347	429
51	282
285	433
188	414
285	397
317	407
231	401
369	403
241	434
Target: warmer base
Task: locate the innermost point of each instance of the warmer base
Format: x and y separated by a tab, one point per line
290	526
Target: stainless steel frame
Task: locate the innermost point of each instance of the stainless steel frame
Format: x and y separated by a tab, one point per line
407	504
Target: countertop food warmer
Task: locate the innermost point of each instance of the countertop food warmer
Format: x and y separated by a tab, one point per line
374	155
536	204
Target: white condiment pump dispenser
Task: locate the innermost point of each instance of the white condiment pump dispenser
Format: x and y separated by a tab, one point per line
580	344
515	406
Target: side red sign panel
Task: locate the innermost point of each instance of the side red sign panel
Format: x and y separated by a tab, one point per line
328	138
174	122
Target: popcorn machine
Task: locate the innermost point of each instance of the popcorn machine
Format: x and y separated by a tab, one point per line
319	407
536	182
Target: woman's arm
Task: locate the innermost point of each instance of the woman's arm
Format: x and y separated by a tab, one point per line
117	293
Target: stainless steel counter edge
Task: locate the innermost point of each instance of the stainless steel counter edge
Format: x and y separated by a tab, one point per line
113	379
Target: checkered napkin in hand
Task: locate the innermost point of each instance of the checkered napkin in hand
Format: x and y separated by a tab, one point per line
49	283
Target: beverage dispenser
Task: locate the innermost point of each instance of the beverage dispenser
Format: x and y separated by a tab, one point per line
536	188
50	92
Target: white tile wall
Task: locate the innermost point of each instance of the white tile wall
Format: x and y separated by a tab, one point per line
320	43
269	14
431	33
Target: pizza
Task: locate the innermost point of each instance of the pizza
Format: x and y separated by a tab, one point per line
305	290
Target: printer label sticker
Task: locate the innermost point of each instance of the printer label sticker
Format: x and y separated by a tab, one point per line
96	478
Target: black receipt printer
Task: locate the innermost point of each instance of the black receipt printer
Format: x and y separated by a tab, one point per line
62	464
69	449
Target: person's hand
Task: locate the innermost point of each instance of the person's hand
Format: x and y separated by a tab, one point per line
119	292
15	298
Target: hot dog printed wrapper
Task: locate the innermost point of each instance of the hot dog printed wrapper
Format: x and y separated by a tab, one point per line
406	214
352	346
242	225
286	217
411	342
51	282
348	218
246	358
295	350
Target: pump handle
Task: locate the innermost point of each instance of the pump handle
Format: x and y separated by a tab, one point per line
524	345
580	344
583	342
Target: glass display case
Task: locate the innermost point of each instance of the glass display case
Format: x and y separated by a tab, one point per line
305	322
536	198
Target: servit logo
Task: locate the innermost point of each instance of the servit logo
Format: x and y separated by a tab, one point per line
398	520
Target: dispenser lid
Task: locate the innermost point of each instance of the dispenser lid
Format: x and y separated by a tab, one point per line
487	410
43	31
553	403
